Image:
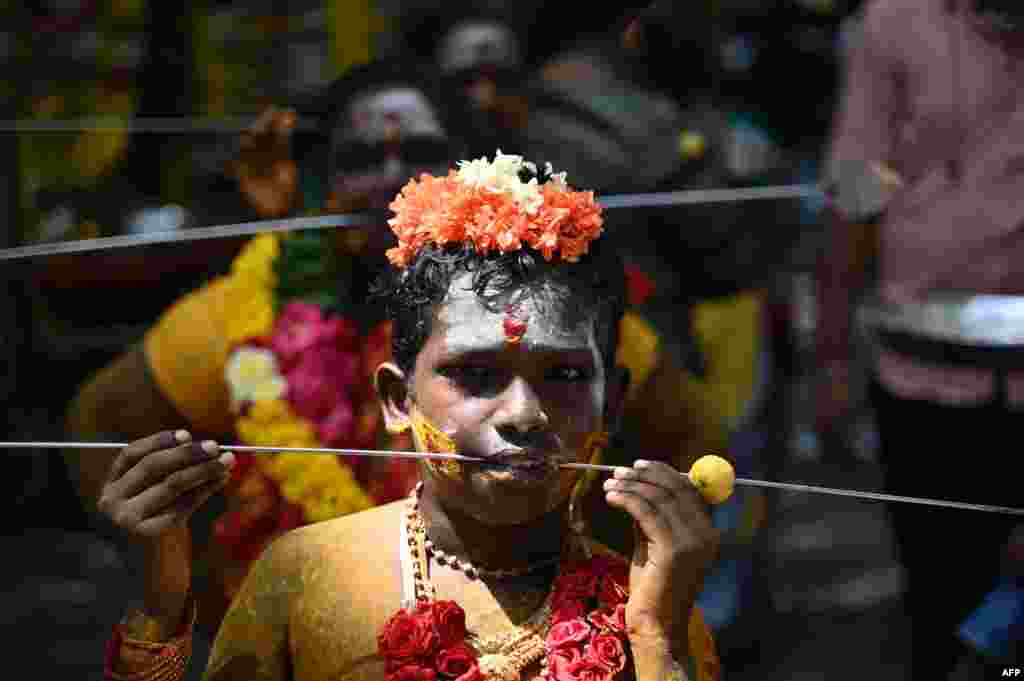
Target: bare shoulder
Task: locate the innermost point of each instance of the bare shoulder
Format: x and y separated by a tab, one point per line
349	582
358	537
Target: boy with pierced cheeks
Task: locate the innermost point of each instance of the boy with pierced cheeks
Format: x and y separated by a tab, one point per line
505	307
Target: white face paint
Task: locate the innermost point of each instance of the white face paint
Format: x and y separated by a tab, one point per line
467	326
381	116
386	137
473	44
545	394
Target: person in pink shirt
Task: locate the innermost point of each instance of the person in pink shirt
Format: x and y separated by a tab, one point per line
927	155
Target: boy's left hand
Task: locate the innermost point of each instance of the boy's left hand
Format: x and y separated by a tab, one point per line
675	545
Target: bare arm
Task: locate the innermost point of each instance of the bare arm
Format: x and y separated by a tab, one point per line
871	110
842	272
120	402
863	146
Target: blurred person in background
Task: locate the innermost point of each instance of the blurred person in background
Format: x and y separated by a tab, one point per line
638	109
481	55
925	167
304	294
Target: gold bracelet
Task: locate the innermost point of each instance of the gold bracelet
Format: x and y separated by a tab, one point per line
139	626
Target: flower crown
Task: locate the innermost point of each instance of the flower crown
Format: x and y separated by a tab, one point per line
489	205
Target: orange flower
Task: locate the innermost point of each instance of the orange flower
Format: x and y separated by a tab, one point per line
488	206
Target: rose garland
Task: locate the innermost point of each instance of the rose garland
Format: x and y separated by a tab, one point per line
586	641
298	373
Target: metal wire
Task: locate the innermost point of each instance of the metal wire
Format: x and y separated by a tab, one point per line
374	220
785	486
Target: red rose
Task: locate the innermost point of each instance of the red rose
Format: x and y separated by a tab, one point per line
320	380
449	622
615	586
302	326
406	637
455	661
609	620
411	672
608	651
639	286
589	669
567	610
560	661
567	634
575	586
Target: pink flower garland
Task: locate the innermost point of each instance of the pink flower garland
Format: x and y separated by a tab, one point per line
321	364
586	642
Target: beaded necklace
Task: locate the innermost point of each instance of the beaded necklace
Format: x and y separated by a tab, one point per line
502	657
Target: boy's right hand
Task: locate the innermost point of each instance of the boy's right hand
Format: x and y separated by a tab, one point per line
155	484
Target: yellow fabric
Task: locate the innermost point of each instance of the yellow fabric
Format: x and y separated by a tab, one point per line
351	26
729	333
638	351
187	350
692	414
707	665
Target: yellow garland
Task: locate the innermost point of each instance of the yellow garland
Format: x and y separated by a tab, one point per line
256	260
322	486
252	277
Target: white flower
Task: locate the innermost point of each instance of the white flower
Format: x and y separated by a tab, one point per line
502	177
474	172
252	375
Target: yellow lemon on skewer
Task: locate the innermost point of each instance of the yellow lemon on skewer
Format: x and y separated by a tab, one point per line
713	477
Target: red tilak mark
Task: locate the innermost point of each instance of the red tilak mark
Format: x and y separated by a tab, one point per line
514	326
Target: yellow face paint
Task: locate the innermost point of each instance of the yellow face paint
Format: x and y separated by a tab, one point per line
575	482
594	446
591	452
430	438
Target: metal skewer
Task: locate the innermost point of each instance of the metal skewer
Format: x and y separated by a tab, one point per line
252	450
744	482
369	220
856	494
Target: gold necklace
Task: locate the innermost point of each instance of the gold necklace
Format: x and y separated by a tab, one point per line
501	657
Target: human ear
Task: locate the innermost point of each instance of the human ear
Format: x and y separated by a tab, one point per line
390	383
615	391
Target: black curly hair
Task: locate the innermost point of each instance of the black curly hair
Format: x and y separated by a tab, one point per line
593	287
